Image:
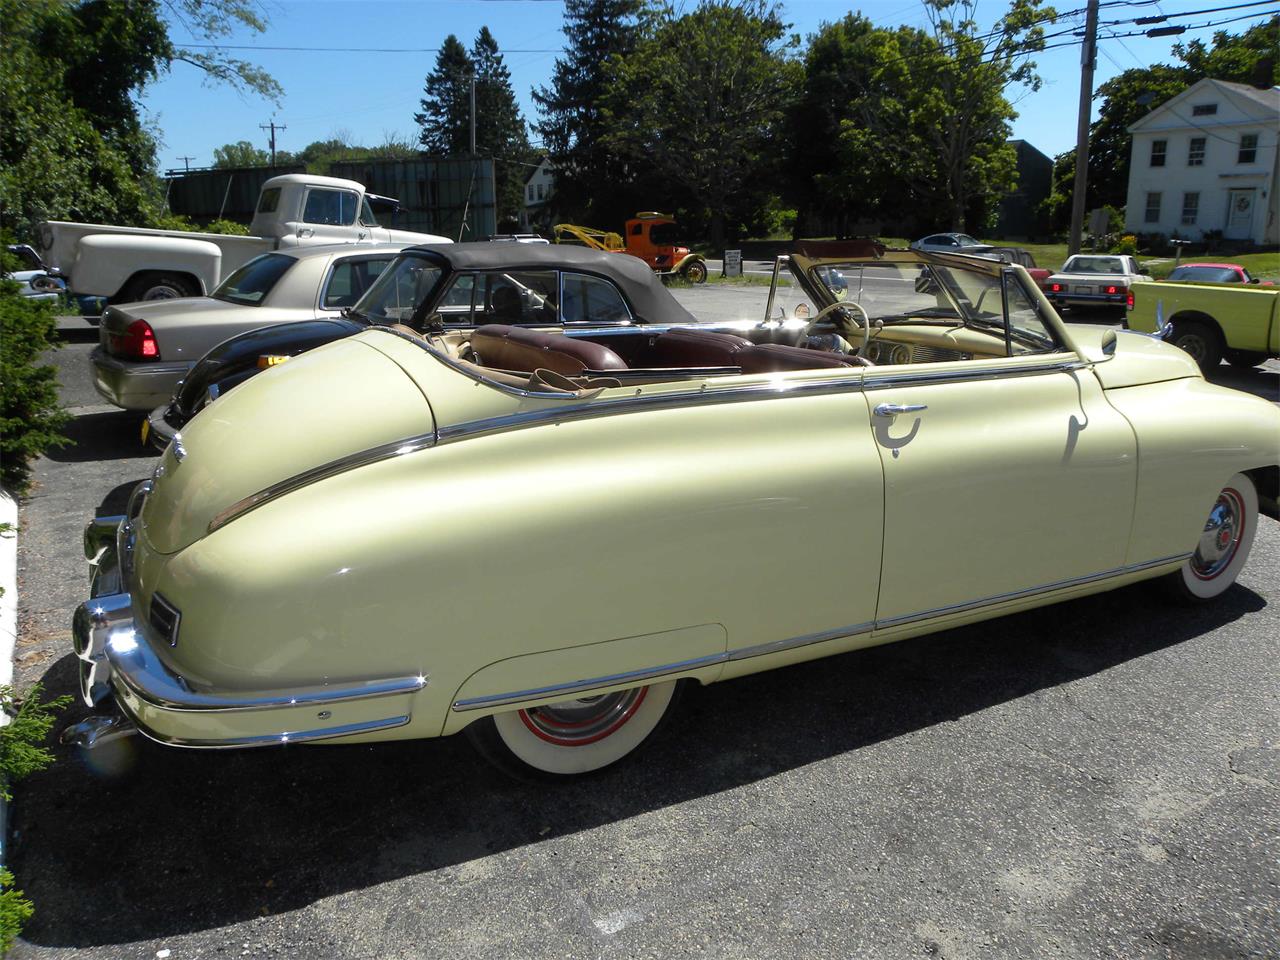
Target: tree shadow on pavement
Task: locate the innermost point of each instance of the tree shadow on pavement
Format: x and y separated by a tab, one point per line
198	840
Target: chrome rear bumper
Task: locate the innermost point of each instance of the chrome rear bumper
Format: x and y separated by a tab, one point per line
118	661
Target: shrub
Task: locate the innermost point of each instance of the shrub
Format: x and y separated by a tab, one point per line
30	418
1128	244
15	910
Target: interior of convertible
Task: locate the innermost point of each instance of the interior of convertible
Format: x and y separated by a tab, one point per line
879	312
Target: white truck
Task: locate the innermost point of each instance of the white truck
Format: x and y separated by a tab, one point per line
125	264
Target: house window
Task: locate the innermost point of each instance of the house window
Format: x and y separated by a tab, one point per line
1158	148
539	191
1195	156
1153	208
1248	148
1190	206
1204	109
531	193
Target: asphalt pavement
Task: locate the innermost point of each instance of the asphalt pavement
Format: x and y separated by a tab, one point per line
1099	778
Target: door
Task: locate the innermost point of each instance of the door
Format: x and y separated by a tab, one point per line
1002	476
1239	214
330	216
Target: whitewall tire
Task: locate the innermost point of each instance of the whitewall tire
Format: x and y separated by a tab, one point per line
576	736
1224	544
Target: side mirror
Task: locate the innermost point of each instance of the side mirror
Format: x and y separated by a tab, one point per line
1109	344
1254	280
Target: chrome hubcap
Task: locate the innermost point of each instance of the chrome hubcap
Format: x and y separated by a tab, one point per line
1221	536
576	723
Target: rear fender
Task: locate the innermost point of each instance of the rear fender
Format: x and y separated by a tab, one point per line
105	262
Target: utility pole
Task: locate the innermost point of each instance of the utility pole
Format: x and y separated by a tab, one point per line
473	115
1088	59
273	127
186	162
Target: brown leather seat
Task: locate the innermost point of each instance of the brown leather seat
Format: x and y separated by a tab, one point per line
682	347
771	357
517	348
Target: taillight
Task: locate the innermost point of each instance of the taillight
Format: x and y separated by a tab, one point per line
1113	289
1129	300
138	342
1055	288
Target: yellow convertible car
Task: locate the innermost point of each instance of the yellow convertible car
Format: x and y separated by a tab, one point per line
537	531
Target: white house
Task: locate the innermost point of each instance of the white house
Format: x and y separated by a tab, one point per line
1207	160
537	191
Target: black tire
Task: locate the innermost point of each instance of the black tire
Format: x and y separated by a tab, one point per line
1245	359
696	271
518	744
160	286
1200	340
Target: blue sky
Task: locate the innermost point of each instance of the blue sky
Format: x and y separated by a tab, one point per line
367	96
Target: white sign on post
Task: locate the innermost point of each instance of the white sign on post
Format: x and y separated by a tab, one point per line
732	264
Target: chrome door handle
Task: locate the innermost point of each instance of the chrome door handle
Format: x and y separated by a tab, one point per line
893	409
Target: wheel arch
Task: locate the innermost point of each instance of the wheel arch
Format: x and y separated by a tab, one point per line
138	277
1198	316
1266	480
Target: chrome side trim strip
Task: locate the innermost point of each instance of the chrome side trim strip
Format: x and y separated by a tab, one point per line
396	448
778	646
1030	591
929	378
502	699
275	740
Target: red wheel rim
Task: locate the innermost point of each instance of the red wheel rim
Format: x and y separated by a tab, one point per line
576	723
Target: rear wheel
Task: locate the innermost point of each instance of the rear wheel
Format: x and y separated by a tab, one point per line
1200	340
696	272
572	737
160	286
1224	544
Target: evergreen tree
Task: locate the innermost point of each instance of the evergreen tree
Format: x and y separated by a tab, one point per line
446	103
589	176
500	128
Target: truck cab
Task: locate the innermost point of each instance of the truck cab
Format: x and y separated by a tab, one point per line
652	237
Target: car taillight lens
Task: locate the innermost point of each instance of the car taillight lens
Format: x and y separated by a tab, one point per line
1055	288
1129	300
1113	289
138	342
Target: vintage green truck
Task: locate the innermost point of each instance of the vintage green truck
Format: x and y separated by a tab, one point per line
1211	321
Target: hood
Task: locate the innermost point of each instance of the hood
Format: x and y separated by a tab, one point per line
236	358
1138	358
408	236
332	402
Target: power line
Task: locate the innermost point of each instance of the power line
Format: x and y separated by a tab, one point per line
220	46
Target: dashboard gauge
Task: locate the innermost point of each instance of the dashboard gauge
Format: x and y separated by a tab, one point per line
901	353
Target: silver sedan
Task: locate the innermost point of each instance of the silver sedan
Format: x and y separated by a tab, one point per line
146	348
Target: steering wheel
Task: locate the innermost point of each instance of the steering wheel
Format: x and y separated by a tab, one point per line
844	324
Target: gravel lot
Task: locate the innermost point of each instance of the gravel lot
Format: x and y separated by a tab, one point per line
1095	779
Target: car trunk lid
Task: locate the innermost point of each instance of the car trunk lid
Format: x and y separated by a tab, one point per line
330	403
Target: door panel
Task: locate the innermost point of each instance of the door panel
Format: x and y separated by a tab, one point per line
998	485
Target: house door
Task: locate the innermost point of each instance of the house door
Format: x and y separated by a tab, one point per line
1239	214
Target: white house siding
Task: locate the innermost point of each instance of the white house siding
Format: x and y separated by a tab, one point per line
537	191
1221	192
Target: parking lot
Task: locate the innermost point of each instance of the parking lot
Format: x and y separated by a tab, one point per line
1095	779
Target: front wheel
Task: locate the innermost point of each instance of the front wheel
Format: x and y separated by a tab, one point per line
1224	544
572	737
696	272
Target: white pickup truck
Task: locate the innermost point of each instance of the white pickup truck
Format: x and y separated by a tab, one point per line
126	264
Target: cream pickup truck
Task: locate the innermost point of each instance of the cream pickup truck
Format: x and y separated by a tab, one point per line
125	264
1211	320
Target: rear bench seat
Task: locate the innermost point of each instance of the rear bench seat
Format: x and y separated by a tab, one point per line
517	348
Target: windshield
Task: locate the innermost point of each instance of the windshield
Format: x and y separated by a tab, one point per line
1107	265
1205	274
928	293
664	235
399	291
251	283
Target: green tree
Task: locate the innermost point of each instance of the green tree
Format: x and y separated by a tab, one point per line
70	73
570	120
445	120
242	153
702	100
500	128
936	109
